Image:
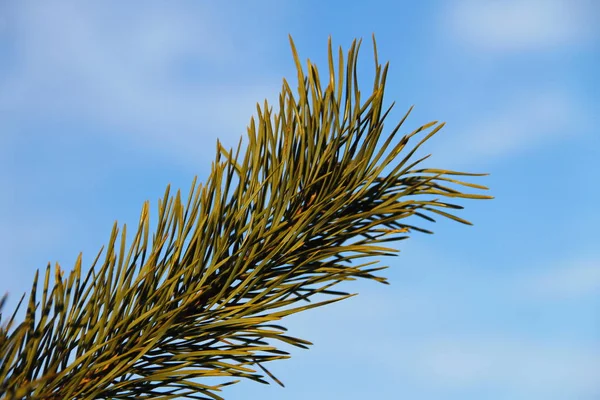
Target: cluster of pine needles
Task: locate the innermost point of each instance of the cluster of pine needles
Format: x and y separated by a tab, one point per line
319	188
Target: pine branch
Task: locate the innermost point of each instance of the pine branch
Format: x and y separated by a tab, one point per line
316	189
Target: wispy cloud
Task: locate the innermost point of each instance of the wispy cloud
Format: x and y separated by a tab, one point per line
156	72
459	361
523	25
462	331
28	242
543	369
528	120
571	280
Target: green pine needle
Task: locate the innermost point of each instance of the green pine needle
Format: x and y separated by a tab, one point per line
268	231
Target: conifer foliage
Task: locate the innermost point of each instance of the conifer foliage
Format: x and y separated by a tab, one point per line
319	188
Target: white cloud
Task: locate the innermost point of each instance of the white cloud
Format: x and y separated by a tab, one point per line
523	25
521	365
524	366
574	279
153	71
28	243
461	332
523	123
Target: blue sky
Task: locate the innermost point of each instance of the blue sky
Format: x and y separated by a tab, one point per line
104	103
